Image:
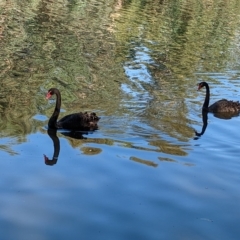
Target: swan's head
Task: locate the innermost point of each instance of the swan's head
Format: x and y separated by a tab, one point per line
201	85
51	92
48	161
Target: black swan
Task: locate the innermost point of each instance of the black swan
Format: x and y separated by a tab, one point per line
221	106
76	121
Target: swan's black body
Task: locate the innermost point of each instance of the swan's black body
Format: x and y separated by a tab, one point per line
221	106
76	121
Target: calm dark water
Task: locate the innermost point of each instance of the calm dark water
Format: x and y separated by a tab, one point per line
144	174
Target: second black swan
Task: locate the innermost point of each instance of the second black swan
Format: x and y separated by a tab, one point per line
76	121
221	106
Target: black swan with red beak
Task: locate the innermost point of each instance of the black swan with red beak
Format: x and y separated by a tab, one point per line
221	106
76	121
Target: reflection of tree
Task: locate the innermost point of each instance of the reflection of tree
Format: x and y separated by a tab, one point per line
146	162
47	43
159	145
181	34
183	37
221	115
168	148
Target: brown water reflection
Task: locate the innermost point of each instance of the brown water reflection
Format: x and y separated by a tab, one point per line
142	161
49	44
80	141
182	39
80	50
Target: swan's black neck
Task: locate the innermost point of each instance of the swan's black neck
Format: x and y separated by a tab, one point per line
52	123
205	120
207	98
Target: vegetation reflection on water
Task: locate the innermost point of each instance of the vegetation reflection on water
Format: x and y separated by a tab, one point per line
136	63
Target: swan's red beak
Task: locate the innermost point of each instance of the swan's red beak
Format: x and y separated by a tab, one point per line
45	158
48	95
199	87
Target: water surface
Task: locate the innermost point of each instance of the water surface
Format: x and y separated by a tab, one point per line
144	174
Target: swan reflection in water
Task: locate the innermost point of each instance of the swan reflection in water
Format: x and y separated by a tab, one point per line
205	123
56	143
225	116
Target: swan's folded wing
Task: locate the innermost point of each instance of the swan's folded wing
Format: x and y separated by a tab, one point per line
225	105
79	121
